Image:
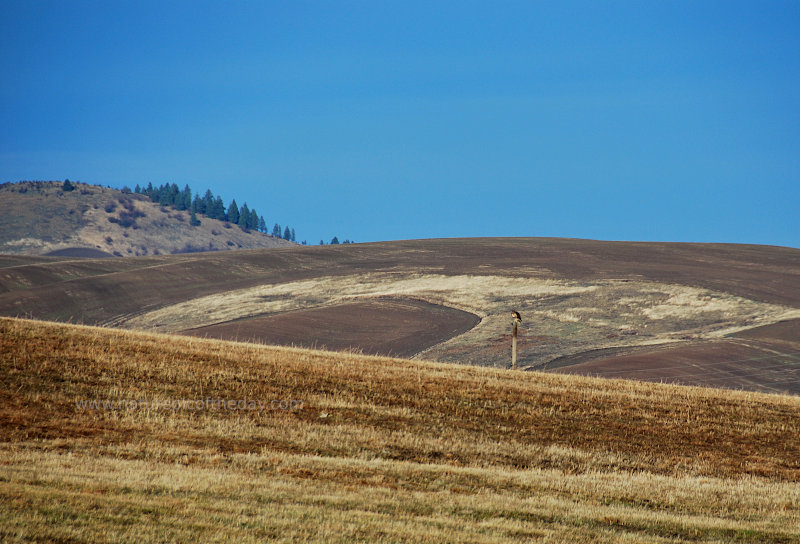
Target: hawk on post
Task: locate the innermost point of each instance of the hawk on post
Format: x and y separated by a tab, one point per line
516	316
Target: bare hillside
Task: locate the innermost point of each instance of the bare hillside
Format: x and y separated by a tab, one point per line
41	218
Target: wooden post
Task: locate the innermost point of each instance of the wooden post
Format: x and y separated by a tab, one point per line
517	321
514	346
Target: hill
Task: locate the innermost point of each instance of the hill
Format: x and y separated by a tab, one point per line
118	436
676	312
41	218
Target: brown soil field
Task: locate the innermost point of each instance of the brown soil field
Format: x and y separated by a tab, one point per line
784	331
80	252
760	359
733	364
102	290
386	326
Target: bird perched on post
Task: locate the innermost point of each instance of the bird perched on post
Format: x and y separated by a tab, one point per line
516	315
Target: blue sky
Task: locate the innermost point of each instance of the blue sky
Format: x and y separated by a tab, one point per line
382	120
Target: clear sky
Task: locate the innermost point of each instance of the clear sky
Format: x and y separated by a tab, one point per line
382	120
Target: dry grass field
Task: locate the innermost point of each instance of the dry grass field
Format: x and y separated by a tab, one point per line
195	440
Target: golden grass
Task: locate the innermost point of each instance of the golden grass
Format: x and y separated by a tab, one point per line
381	450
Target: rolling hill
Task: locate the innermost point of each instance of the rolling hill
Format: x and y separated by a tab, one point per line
723	315
121	436
41	218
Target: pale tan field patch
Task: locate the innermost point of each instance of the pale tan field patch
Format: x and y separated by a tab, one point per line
568	316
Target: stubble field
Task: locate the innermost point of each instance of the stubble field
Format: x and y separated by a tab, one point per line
334	447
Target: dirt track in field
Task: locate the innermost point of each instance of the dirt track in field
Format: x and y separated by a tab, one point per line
388	326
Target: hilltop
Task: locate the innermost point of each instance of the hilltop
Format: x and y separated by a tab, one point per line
724	315
118	436
41	218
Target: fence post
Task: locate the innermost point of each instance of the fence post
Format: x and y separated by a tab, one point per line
517	320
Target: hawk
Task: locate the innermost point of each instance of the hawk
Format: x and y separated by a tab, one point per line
517	316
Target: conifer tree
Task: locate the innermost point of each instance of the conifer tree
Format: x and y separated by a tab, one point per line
217	209
174	196
197	205
244	217
185	199
208	202
164	196
233	213
253	220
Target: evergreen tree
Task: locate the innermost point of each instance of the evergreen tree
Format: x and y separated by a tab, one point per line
68	186
334	241
208	202
174	195
322	242
253	220
185	199
244	217
217	210
169	194
197	205
164	197
233	213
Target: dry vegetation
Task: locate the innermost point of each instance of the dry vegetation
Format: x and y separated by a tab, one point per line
40	217
569	316
380	450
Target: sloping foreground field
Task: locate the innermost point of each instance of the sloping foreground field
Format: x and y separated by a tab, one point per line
115	436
